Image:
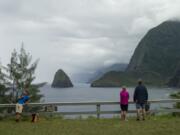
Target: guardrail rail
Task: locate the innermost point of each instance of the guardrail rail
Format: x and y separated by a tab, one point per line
98	105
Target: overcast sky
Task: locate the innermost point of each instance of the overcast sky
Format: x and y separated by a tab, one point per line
78	36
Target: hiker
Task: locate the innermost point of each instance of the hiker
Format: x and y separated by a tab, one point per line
124	97
22	100
140	98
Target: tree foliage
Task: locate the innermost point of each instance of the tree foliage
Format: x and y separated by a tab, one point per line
176	96
21	71
18	76
3	88
4	97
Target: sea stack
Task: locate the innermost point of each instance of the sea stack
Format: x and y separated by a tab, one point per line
61	80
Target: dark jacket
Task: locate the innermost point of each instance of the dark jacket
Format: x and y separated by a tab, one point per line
140	94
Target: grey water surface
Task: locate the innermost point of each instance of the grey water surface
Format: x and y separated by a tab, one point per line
85	93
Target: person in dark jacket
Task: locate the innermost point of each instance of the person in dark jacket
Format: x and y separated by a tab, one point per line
140	98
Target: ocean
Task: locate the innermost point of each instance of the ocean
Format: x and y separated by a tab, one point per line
83	92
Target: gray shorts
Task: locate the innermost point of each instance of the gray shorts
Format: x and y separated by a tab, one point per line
140	105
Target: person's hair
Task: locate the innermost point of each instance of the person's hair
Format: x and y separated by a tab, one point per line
26	92
124	87
26	86
139	81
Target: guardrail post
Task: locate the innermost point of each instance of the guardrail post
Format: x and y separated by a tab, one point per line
98	110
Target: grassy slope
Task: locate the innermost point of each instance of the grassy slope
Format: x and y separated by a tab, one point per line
155	125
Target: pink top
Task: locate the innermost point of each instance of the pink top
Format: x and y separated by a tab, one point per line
124	97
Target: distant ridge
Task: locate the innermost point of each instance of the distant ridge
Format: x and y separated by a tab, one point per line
115	67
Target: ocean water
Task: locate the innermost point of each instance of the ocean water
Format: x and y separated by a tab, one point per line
83	92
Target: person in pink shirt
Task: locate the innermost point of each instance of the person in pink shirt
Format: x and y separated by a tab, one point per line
124	98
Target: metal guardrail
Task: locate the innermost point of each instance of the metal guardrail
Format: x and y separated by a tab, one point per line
97	104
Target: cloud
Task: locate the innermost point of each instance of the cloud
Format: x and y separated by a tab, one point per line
79	36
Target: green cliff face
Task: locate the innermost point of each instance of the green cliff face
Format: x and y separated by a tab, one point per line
61	80
159	50
154	60
175	80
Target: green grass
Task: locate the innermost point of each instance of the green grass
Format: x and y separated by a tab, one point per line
164	125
